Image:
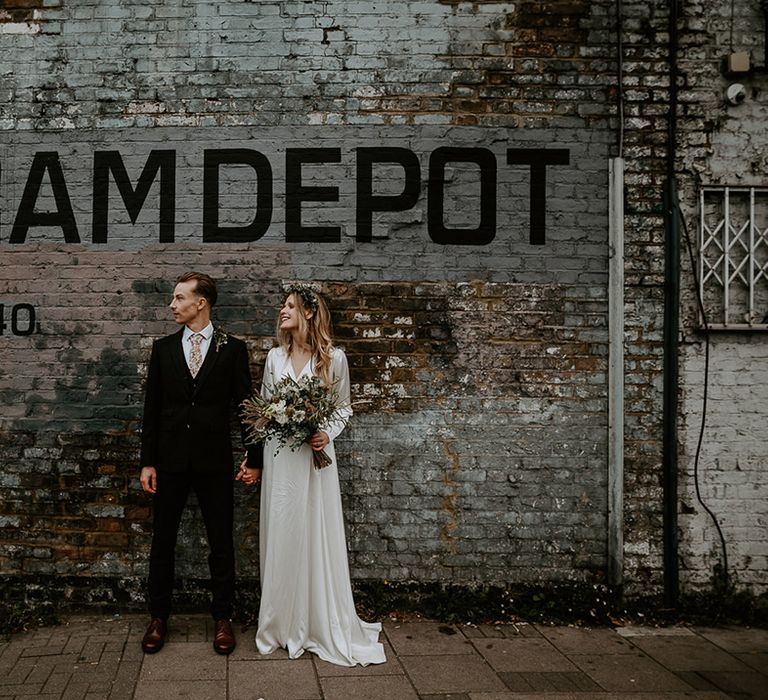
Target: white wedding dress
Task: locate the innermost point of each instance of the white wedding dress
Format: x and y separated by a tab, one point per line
306	595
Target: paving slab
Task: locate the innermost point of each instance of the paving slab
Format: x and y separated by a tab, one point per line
696	680
184	661
751	685
689	654
427	638
273	680
629	673
758	661
549	682
189	690
736	639
451	673
368	688
536	655
585	640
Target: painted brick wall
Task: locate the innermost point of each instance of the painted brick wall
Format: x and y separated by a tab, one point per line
483	367
724	145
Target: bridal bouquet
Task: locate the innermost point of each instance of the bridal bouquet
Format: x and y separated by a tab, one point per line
294	411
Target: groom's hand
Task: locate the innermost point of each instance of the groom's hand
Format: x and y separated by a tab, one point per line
250	477
149	479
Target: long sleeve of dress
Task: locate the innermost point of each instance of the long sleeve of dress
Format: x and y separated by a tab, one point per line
341	385
268	377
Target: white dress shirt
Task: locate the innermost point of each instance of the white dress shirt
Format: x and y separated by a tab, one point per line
186	343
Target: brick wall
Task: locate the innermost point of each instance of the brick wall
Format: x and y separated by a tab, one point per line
646	106
721	144
482	366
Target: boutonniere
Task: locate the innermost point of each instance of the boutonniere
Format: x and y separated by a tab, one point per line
219	338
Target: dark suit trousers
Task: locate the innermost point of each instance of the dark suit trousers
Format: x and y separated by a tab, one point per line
215	495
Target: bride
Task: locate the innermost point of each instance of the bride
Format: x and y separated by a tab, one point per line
306	595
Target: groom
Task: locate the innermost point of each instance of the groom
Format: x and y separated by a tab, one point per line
196	376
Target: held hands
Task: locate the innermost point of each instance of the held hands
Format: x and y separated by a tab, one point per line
250	477
148	479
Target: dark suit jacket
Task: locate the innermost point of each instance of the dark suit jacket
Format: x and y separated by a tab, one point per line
187	421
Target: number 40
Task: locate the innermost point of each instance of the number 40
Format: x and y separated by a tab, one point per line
22	319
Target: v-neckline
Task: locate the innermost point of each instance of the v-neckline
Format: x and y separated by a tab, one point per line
298	374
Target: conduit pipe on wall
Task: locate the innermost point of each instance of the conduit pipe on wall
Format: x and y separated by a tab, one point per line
671	331
616	374
671	381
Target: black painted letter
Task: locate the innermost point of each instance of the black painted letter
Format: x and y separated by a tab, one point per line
367	202
212	231
486	229
538	159
26	216
296	193
105	162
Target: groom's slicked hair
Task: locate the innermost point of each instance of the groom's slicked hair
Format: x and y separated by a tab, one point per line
205	285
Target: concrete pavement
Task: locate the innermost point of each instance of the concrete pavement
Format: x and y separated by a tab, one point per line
98	658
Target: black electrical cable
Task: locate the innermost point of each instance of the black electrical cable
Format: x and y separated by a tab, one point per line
764	7
620	74
671	349
704	321
730	41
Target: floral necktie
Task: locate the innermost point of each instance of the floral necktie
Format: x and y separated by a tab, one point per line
195	355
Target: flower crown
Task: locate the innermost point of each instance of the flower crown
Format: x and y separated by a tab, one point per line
307	294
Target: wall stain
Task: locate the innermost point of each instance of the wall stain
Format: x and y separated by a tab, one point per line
450	501
20	10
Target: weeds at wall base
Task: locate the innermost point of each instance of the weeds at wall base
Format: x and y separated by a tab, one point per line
21	616
555	604
552	604
588	604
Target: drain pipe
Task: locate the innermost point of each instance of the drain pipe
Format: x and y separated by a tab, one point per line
671	332
616	336
616	377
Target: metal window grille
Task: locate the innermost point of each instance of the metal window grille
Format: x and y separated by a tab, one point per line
733	257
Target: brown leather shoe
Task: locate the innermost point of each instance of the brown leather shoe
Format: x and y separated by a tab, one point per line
154	637
224	638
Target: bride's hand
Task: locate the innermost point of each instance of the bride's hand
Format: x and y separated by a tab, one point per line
319	441
250	477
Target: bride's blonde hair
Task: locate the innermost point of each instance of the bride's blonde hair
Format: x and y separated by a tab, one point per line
316	329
